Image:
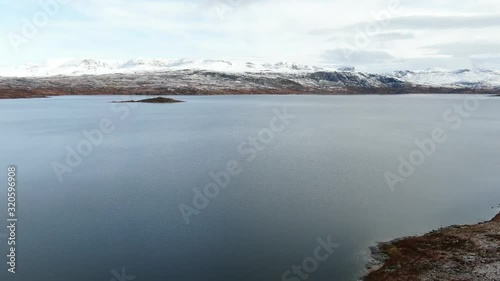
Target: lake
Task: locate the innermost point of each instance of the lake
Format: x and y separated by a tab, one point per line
237	188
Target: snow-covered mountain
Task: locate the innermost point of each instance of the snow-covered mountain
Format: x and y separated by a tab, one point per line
77	67
460	79
159	77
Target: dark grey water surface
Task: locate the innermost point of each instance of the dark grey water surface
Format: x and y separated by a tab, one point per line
323	175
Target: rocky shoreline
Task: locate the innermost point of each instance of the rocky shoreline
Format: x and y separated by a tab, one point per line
459	252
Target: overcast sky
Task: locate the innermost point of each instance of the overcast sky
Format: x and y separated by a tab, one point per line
373	35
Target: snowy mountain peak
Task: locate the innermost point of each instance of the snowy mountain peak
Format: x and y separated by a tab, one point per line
74	67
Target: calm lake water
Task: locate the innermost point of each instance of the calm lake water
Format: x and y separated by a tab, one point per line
322	175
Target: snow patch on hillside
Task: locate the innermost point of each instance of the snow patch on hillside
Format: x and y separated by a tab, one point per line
470	78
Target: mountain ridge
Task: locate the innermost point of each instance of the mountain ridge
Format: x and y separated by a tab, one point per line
219	77
203	82
461	78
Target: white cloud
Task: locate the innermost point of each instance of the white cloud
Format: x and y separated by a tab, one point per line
294	30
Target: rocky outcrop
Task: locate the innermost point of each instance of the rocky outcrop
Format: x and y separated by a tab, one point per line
454	253
153	100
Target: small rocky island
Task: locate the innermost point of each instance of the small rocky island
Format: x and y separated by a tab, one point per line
468	252
153	100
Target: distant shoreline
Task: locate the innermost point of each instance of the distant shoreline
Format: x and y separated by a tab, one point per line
30	94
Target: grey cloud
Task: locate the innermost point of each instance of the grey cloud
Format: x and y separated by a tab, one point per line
432	62
445	22
384	37
422	23
487	62
465	49
321	31
353	56
391	36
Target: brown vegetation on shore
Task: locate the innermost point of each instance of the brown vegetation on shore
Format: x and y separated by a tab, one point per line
454	253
